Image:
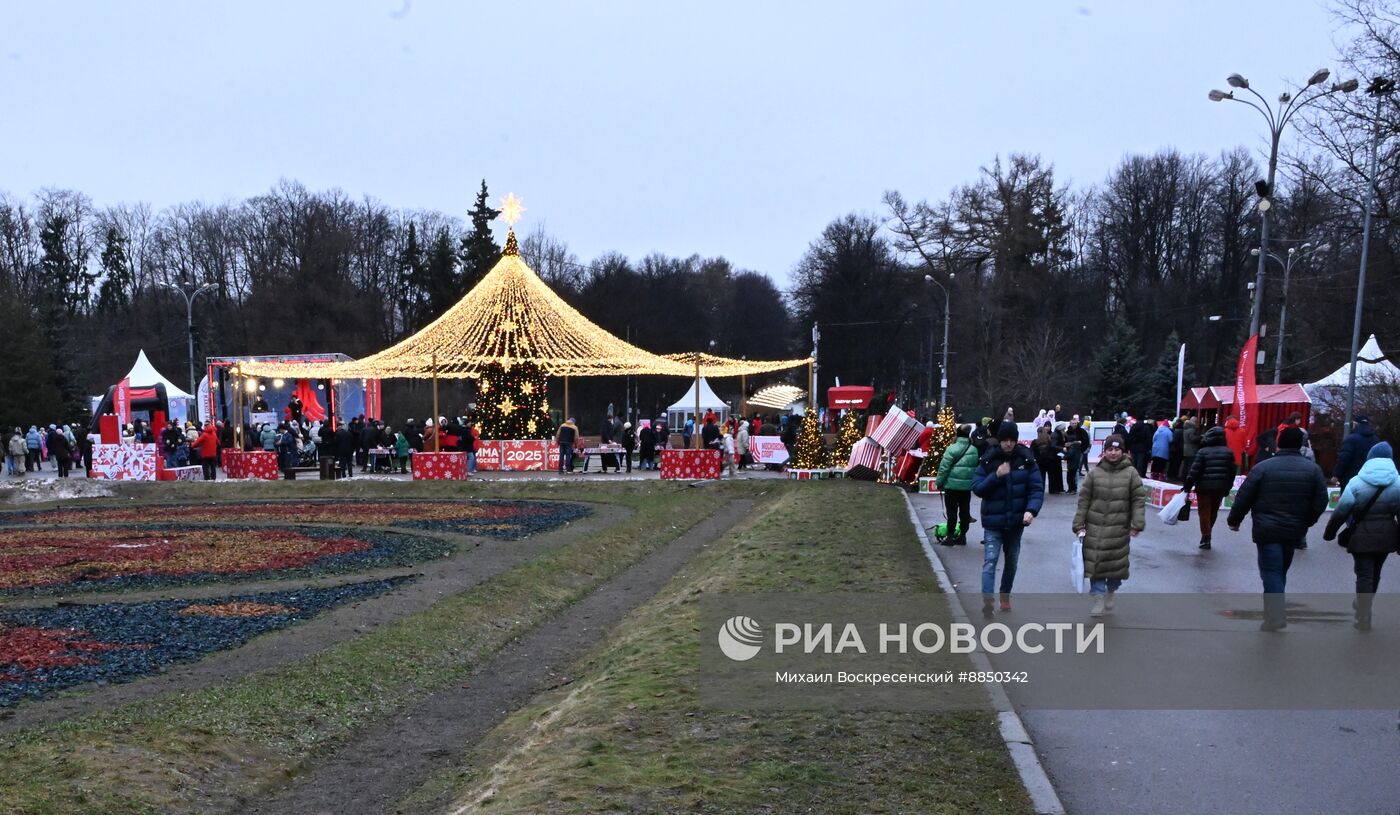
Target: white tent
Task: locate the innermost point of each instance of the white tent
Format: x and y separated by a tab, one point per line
144	374
1371	366
685	406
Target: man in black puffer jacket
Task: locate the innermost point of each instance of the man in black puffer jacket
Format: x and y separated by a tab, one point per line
1212	475
1011	488
1285	496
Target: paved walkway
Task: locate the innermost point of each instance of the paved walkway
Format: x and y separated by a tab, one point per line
1197	761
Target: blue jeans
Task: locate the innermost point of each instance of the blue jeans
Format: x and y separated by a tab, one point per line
1104	586
471	462
1274	560
566	459
994	542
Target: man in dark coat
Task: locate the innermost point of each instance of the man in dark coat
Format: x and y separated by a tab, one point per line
1354	450
1011	489
709	434
1211	474
61	451
345	450
414	436
647	454
1140	444
1285	496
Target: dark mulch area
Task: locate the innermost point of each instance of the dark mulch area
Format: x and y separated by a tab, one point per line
45	650
80	568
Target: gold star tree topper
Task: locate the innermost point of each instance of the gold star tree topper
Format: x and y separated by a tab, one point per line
511	209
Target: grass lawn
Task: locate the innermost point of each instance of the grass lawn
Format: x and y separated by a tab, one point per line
212	749
628	736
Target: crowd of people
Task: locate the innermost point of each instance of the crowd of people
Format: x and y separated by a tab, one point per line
730	436
1284	493
61	447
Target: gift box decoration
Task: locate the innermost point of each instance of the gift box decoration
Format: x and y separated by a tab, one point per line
690	465
871	424
865	461
908	468
897	432
439	466
929	484
124	462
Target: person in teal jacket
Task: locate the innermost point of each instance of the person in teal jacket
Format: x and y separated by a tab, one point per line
401	451
955	472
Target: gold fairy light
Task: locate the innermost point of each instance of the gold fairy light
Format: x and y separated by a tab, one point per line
510	316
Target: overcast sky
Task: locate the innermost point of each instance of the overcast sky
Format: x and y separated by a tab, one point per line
726	129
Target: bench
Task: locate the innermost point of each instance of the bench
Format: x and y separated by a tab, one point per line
291	472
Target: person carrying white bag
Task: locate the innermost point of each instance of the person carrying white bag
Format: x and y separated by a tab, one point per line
1112	509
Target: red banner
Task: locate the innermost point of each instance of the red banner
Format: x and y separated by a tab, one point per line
1246	397
121	401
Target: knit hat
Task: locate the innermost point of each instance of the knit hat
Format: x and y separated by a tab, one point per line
1114	442
1008	432
1381	449
1290	439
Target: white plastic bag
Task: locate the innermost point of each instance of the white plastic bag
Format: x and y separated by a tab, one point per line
1076	563
1172	509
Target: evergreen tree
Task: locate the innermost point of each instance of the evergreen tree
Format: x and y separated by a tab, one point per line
117	281
64	275
512	402
441	288
811	451
413	273
1117	375
62	294
479	250
1160	385
29	392
945	432
848	432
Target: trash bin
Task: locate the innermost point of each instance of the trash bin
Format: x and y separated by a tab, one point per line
328	471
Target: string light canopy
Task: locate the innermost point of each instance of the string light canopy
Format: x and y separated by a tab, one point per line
777	397
510	317
711	365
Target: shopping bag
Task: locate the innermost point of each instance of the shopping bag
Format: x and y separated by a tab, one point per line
1076	563
1170	513
1185	513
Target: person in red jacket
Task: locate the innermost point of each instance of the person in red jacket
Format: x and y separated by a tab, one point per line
1235	439
208	446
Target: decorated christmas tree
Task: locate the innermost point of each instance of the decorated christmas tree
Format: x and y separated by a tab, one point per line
511	402
945	432
848	432
811	452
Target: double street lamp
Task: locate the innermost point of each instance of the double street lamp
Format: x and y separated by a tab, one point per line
189	320
943	370
1277	117
1295	254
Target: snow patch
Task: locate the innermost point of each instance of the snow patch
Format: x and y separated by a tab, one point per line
37	490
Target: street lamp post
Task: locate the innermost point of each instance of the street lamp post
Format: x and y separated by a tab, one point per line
1379	88
1277	118
1295	254
189	322
943	369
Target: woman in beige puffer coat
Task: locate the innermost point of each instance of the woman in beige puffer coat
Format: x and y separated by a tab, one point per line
1112	510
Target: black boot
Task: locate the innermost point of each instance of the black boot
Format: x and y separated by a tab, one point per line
1205	541
1363	611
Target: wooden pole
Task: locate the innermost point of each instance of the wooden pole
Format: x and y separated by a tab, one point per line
566	397
743	396
695	437
437	418
238	407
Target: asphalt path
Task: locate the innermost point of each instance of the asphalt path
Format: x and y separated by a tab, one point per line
1193	761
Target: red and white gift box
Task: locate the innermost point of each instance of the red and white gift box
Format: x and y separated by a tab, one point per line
909	463
897	432
865	460
689	465
872	423
439	466
259	464
124	462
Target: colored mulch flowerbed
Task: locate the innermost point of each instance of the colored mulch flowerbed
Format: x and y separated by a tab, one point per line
499	519
45	650
47	559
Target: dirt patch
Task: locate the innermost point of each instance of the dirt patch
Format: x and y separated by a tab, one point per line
383	764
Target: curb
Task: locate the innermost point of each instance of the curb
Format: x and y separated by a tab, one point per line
1044	799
